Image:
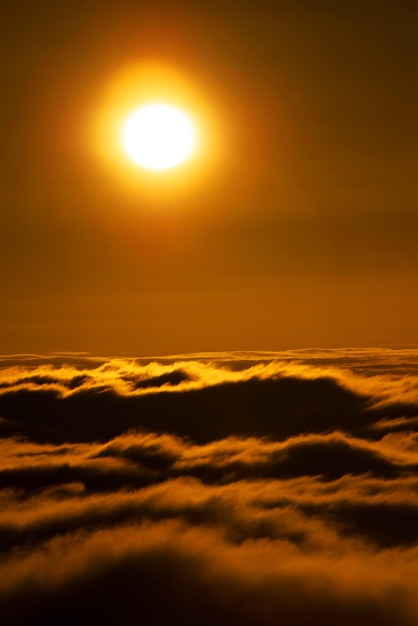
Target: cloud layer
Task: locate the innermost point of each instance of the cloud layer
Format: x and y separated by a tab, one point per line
258	488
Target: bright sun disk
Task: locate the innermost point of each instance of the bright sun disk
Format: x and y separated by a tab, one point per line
159	136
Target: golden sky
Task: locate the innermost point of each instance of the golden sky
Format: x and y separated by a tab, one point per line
296	224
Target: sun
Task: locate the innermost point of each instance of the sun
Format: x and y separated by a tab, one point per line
159	136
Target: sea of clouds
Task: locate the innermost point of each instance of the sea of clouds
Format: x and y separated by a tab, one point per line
241	488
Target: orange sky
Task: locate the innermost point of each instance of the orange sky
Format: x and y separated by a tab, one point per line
295	226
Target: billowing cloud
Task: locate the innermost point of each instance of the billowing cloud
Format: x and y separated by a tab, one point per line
244	488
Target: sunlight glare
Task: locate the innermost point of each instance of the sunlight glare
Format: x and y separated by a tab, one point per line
159	136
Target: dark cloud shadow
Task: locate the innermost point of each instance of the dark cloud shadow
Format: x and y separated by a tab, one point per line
276	408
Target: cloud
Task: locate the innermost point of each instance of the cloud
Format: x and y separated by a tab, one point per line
250	406
256	488
169	572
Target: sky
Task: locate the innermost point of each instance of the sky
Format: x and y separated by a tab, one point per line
295	226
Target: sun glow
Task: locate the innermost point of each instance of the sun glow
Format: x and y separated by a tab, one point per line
153	125
159	136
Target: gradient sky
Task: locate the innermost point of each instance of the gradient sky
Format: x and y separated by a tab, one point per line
298	225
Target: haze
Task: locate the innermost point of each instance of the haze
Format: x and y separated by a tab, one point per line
297	229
